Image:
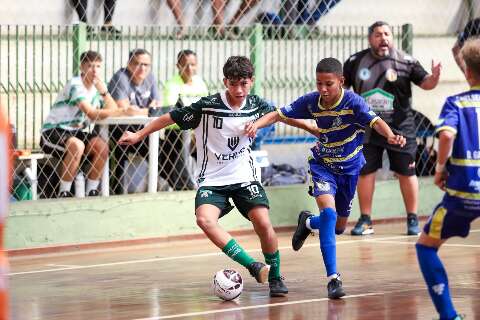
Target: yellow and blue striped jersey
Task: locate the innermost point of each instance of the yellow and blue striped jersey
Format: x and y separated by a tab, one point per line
341	129
461	115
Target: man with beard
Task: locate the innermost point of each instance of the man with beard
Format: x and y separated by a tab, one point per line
383	76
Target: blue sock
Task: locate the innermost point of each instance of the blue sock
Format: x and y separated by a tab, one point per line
437	281
325	223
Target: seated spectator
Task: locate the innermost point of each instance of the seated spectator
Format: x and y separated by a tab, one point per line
135	87
132	87
65	131
182	90
186	85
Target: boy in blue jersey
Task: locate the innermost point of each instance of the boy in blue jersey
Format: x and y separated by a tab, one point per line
336	160
458	175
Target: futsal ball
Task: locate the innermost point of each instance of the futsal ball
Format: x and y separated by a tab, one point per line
227	284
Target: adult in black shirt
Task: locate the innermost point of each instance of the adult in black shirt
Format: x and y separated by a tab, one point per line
472	29
383	76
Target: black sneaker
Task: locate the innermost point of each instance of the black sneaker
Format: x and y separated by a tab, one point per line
93	193
65	194
334	288
111	32
302	232
259	271
90	32
412	225
277	288
363	226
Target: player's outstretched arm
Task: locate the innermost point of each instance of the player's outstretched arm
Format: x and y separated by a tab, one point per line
252	127
382	128
302	124
157	124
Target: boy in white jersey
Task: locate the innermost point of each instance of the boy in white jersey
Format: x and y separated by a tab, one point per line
226	168
65	130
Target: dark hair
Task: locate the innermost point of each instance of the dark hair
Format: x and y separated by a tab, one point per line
184	53
137	52
90	56
330	65
377	24
471	56
238	67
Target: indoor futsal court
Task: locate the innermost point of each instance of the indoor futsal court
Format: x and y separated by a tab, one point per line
172	280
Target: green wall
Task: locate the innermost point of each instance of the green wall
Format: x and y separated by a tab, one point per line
72	221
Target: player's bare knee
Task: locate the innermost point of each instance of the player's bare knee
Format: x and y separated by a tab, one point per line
205	223
429	241
263	227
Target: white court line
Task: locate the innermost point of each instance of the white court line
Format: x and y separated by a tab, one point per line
62	265
202	313
211	254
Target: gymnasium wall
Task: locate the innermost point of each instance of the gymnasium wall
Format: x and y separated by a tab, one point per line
92	220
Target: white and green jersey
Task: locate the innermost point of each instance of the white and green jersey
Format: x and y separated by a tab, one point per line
65	113
223	149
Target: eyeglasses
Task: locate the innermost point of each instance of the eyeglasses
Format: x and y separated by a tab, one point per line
139	64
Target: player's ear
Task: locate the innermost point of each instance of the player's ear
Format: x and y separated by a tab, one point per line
342	80
225	82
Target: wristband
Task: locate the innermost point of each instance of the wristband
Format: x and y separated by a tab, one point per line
439	167
104	94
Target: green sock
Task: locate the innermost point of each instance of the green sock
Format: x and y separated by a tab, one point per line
237	253
273	259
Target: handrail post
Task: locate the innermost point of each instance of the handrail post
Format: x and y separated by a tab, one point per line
256	56
407	38
79	45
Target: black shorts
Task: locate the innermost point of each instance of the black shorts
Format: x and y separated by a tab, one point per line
53	140
402	163
245	196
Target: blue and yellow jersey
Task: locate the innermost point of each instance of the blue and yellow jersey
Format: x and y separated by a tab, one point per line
341	129
461	115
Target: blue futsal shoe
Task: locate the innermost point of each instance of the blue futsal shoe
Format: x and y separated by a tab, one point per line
363	226
412	225
335	289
